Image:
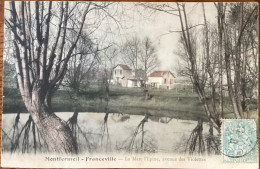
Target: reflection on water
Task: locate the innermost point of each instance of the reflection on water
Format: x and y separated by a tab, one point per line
107	132
140	140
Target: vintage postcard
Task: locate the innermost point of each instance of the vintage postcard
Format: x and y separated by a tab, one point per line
130	85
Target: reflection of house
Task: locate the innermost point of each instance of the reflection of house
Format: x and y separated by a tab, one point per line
124	76
161	79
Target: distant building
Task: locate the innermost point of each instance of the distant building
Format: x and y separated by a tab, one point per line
121	74
138	78
126	77
161	79
134	83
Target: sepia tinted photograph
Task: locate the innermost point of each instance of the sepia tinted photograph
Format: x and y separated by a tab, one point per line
130	83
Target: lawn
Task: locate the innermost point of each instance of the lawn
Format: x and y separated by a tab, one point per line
180	103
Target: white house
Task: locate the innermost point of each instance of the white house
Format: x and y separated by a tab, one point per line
121	74
127	77
161	79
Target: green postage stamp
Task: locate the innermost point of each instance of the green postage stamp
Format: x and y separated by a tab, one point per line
239	142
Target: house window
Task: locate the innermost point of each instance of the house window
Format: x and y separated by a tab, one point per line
171	81
120	72
115	72
164	81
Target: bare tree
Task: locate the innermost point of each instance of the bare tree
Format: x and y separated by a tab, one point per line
237	37
224	49
221	19
41	60
9	77
110	60
213	66
148	57
196	56
81	68
131	51
197	75
82	64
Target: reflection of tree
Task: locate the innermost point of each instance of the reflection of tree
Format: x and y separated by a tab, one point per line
195	142
212	142
15	129
77	132
5	145
140	140
105	134
104	94
25	131
165	120
27	138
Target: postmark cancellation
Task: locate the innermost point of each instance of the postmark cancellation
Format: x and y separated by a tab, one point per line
239	140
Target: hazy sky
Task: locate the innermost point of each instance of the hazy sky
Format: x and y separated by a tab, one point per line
157	25
136	21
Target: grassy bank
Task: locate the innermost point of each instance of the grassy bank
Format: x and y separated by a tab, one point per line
179	103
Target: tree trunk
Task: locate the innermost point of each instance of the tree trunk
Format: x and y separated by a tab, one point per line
39	72
54	130
230	88
57	134
193	67
221	20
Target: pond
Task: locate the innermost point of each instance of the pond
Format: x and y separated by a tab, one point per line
96	132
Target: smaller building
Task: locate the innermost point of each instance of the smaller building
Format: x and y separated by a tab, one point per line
138	78
133	82
161	79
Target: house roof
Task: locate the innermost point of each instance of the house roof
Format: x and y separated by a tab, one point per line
159	73
125	67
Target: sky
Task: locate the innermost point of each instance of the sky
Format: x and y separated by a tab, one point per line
156	25
134	20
